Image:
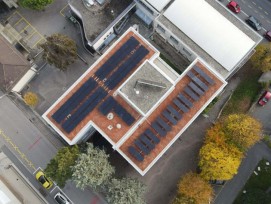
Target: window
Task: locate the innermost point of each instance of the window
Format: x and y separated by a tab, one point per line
187	52
161	29
174	40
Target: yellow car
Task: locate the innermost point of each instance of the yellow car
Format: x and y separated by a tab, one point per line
46	182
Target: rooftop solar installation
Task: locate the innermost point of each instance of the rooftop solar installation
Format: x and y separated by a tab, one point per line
163	124
203	74
84	110
174	112
158	129
116	58
147	142
107	105
197	81
124	115
133	151
126	67
152	136
190	93
169	117
185	100
74	100
182	107
142	147
195	88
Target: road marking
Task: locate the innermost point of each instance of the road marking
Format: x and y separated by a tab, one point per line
268	21
244	13
260	7
33	144
262	16
266	13
17	149
253	2
249	6
61	11
255	11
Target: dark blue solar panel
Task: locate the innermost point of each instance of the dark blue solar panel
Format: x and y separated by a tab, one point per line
134	152
123	114
142	147
174	112
147	142
203	74
126	67
185	100
158	129
195	88
197	81
107	105
74	100
116	58
152	136
169	117
84	110
163	124
190	93
180	106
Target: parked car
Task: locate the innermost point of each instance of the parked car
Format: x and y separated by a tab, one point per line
234	7
267	35
61	199
45	182
254	23
264	98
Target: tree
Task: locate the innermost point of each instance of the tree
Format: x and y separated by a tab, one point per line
35	4
193	187
219	163
181	199
59	50
30	98
59	168
216	135
92	168
125	191
262	58
242	130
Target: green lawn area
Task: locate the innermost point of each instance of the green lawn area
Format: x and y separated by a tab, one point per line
257	186
246	92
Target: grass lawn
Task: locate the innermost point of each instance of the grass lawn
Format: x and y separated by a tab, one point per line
257	187
246	92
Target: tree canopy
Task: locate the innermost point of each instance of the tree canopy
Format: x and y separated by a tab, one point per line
92	168
59	168
59	50
219	162
193	189
262	57
35	4
242	130
30	99
125	191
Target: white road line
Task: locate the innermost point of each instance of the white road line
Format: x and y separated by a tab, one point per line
243	1
262	16
260	7
244	13
255	11
266	13
249	6
268	21
253	2
264	29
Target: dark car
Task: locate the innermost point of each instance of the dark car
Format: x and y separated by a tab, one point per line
267	35
264	98
254	23
61	199
234	7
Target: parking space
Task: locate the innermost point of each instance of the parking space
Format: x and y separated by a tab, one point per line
30	35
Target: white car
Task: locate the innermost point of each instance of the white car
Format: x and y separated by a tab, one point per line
61	199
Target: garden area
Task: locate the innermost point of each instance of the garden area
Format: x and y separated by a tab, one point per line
258	187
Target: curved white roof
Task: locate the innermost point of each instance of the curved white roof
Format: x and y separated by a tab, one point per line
210	30
158	4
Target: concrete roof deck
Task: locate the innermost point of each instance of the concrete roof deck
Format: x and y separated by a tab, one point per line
100	122
96	18
166	142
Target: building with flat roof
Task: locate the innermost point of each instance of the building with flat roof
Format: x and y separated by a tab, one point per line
135	100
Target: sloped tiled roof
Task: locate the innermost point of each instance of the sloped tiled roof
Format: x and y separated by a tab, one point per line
13	65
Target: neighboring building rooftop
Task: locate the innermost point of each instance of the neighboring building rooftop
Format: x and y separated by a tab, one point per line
97	18
126	93
158	4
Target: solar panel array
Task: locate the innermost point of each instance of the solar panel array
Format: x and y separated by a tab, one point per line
74	100
171	115
88	105
116	58
111	104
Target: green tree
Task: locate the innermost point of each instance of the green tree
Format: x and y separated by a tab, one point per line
92	168
195	188
59	168
30	99
242	130
262	58
219	162
35	4
125	191
59	50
